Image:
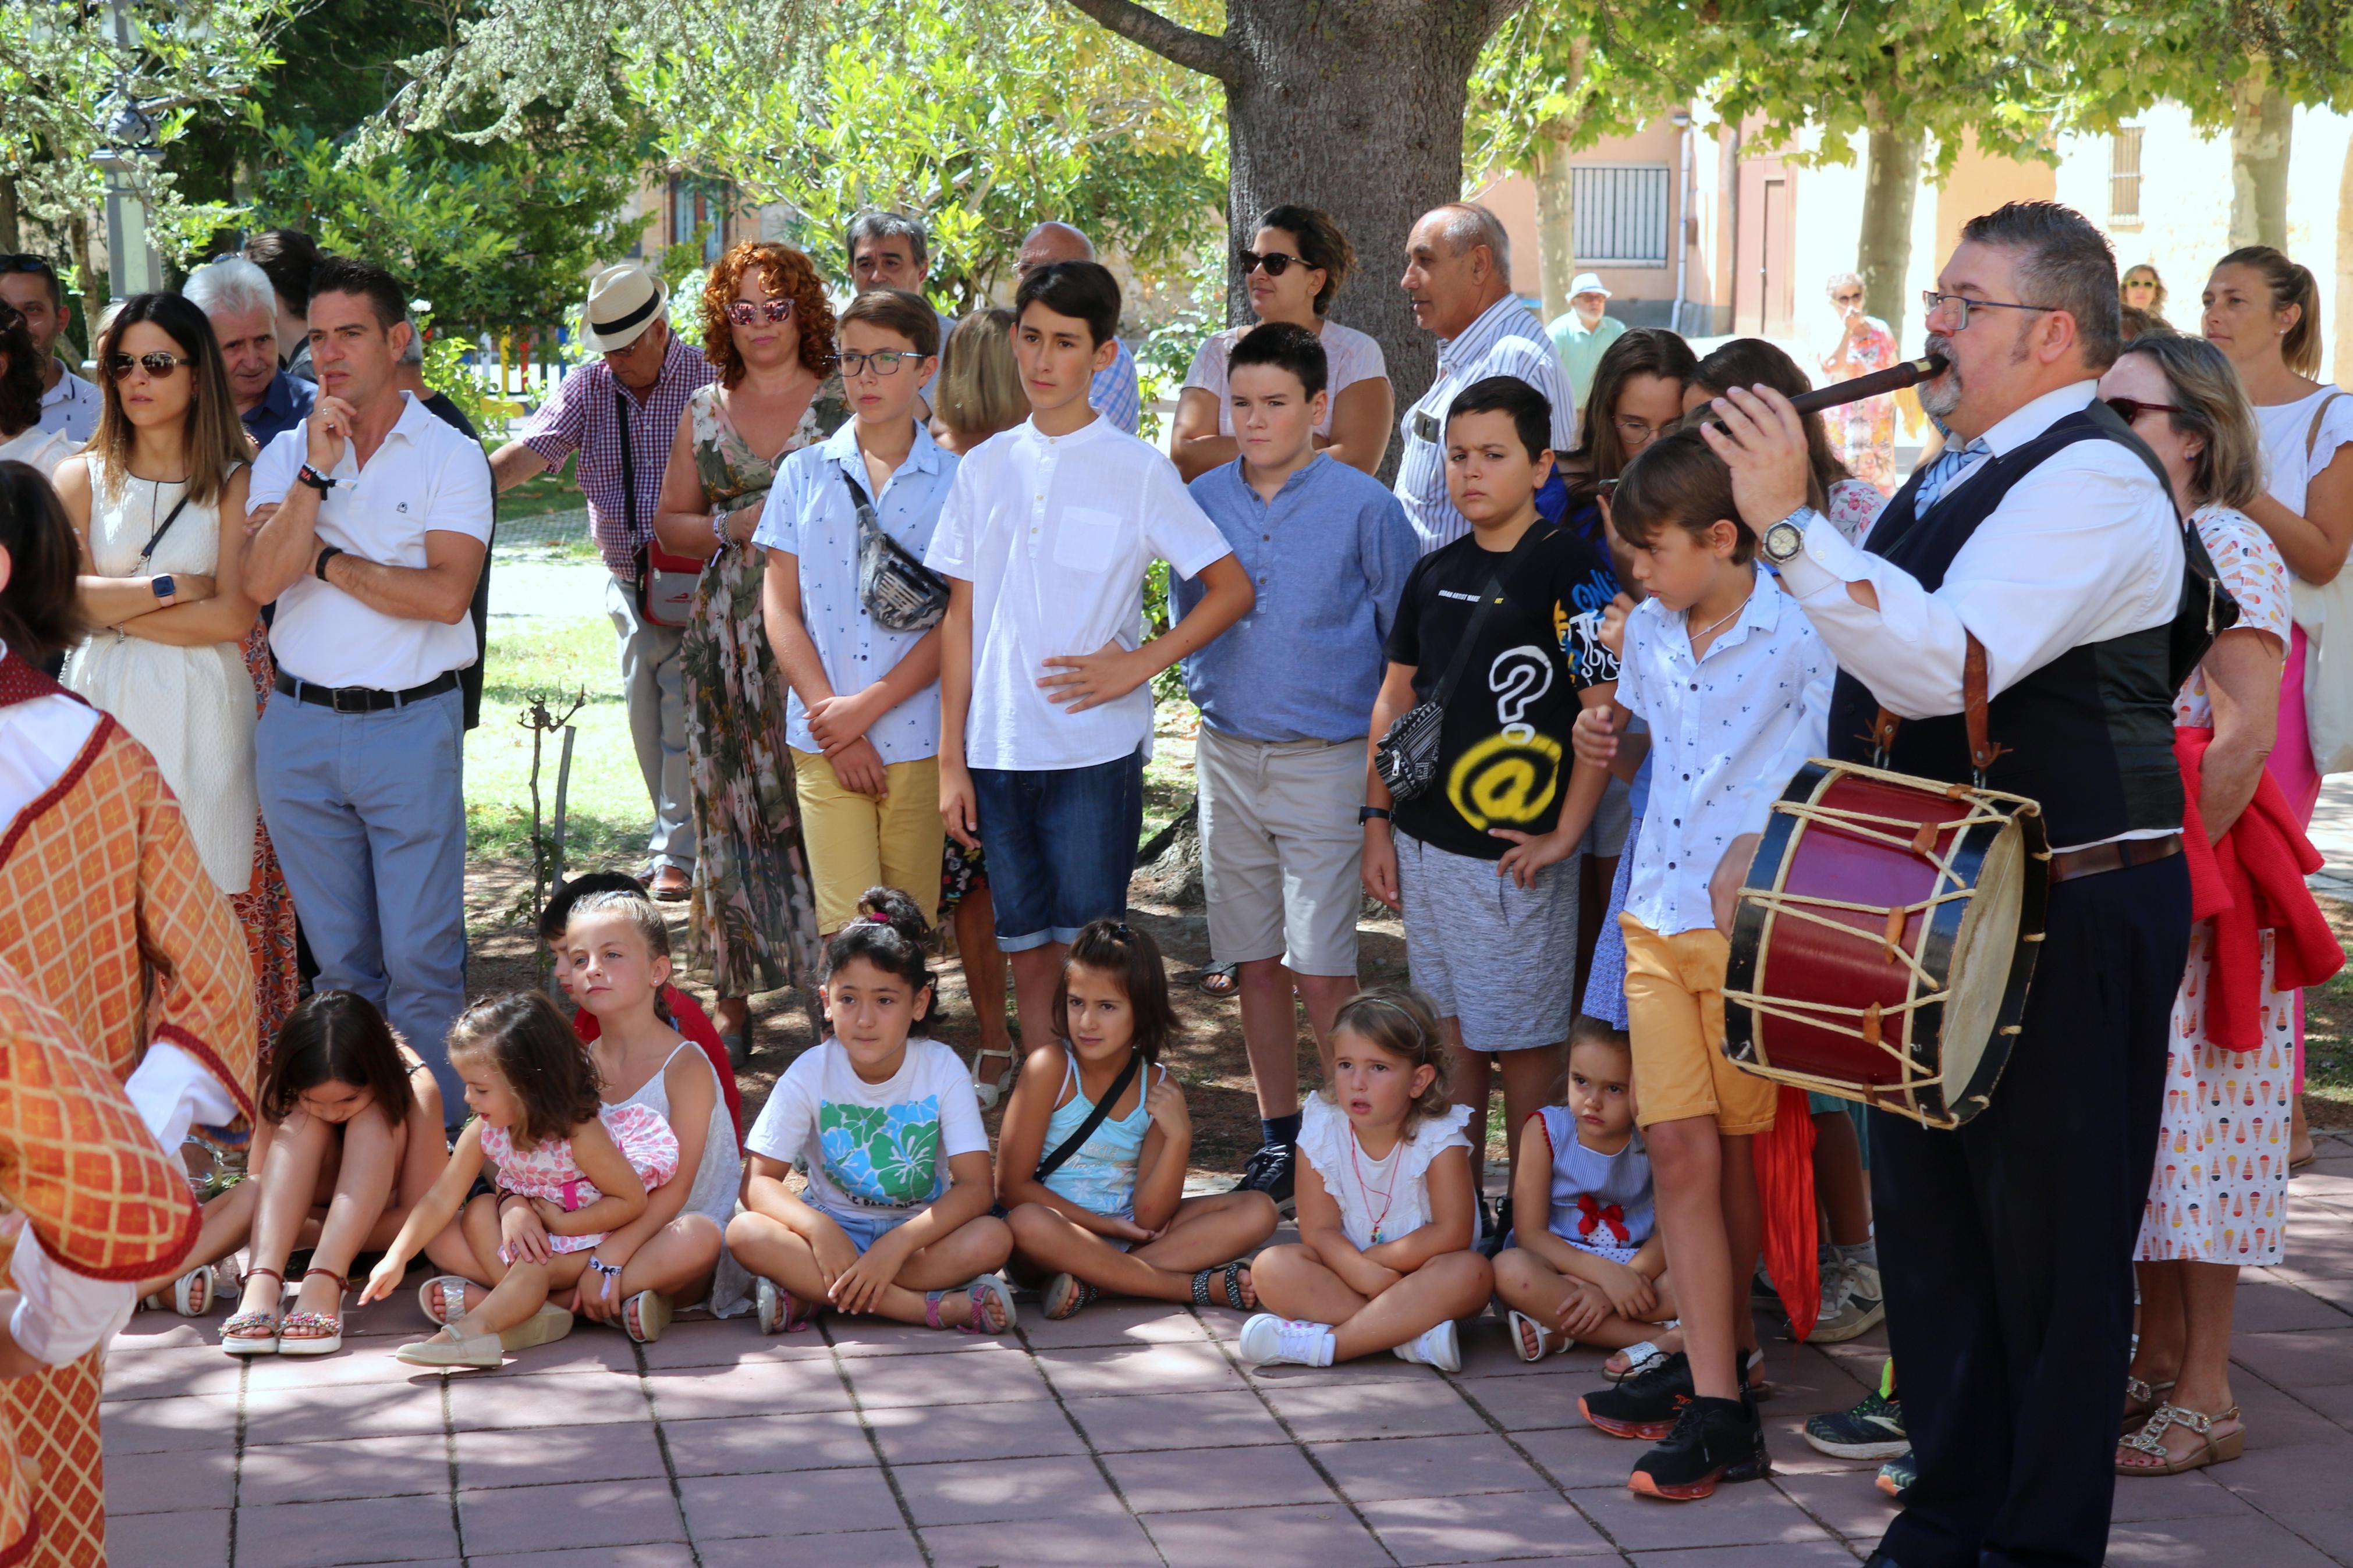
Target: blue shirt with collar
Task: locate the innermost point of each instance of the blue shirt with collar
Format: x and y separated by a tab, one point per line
1329	557
809	515
286	404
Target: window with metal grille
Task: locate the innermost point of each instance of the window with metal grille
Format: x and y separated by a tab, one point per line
1621	212
2124	176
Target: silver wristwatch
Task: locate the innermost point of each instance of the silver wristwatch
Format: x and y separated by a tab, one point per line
1783	542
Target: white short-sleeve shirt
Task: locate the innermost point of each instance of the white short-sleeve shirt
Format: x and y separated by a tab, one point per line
1350	356
871	1149
427	476
1054	534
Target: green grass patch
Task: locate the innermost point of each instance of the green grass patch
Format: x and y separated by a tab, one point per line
556	490
607	815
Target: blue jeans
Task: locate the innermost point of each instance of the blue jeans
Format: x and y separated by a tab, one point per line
1060	844
368	815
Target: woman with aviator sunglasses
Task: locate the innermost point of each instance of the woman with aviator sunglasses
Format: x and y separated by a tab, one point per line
752	913
1293	267
177	652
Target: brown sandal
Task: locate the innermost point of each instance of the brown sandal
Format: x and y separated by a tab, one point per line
2211	1449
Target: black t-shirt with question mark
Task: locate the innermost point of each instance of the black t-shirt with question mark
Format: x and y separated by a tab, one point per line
1504	751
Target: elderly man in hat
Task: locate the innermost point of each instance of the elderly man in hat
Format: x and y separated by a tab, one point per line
1582	335
619	415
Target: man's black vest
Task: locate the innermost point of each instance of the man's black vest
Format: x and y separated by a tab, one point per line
2089	734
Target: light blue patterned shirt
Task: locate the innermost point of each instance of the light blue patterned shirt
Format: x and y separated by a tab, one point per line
1506	339
1115	394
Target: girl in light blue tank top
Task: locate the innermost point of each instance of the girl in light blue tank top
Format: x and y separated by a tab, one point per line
1108	1212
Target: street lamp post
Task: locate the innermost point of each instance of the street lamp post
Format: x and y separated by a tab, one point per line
127	151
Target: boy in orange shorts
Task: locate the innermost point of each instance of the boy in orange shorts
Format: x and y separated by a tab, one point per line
1736	687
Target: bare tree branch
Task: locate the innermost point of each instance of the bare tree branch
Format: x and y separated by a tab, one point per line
1194	50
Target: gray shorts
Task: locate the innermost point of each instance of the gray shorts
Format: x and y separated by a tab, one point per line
1498	957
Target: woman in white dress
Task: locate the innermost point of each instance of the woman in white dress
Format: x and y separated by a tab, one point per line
22	439
1293	266
2264	312
163	580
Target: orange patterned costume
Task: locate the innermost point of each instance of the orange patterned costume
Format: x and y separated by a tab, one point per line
106	911
82	1170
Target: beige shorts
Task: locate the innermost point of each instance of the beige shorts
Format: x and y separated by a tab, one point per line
856	842
1674	1011
1282	851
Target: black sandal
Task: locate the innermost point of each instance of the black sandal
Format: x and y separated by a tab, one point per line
1220	979
1066	1296
1233	1274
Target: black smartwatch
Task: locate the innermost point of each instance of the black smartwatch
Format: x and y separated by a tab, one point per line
1367	813
326	552
311	477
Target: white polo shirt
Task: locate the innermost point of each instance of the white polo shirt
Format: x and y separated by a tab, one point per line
1054	534
427	476
73	406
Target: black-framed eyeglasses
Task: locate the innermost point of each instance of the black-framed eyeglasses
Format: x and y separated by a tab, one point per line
742	312
2131	409
1275	262
886	362
1962	305
158	365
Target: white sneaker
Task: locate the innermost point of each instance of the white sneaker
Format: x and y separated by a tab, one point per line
1269	1339
1439	1347
1852	1303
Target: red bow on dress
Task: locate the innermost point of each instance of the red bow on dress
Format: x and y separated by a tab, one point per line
1595	1215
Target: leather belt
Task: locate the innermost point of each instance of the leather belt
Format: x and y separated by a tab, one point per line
2117	854
363	698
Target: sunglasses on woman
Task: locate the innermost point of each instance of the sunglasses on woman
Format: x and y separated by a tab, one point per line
1275	262
742	312
2131	409
157	365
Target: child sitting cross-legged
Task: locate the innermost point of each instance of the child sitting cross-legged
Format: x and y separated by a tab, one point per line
886	1127
1387	1206
1587	1262
1098	1201
584	1166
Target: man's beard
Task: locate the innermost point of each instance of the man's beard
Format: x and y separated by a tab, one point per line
1941	395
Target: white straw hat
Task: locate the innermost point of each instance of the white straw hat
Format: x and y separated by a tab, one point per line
1587	283
622	303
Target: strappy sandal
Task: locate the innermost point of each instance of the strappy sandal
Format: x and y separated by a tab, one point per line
190	1295
1221	979
980	1292
781	1311
1232	1275
453	1288
2141	1399
236	1336
326	1335
1066	1295
1641	1357
644	1315
2211	1449
1523	1327
992	1089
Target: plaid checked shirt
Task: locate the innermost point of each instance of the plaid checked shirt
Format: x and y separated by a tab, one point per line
1114	394
581	418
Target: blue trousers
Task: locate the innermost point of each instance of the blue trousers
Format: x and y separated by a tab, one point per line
368	813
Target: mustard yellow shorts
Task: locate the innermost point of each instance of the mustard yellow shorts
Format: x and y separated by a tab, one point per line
856	842
1674	1011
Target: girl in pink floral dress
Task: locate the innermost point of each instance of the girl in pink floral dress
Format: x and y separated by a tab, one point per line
1862	433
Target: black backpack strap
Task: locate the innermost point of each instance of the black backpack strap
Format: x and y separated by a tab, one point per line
1086	1129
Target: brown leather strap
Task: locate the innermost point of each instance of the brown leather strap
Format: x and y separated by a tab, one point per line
1982	749
2116	855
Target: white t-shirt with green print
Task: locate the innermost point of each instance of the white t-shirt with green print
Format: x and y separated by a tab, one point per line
874	1150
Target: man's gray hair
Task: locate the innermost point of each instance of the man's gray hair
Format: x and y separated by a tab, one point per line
414	352
876	223
230	285
1468	224
2063	262
1072	229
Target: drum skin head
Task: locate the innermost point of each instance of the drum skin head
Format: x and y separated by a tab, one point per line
1830	989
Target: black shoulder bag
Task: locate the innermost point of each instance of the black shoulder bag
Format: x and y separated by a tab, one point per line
1078	1140
1407	754
900	592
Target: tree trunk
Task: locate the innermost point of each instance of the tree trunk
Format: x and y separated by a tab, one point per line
2343	365
11	234
93	283
1883	250
1555	227
2261	119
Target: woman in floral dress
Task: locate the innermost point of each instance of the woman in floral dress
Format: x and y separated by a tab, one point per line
1862	433
767	328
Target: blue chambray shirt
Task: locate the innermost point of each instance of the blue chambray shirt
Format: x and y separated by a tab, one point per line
1329	558
809	515
286	404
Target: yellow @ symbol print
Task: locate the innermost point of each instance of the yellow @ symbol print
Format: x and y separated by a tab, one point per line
1506	779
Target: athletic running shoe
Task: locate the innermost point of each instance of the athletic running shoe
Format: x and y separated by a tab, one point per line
1646	1406
1852	1303
1713	1440
1897	1476
1874	1429
1268	1340
1271	1170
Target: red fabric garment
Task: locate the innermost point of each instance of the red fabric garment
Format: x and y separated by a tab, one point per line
1784	1158
696	1025
2250	882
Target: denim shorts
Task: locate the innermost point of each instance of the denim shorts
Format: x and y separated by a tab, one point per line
1060	845
865	1229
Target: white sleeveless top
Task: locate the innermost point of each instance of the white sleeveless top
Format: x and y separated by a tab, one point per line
2294	450
716	1180
192	707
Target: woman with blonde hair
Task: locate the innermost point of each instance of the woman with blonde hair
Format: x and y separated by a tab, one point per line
979	391
2228	1066
2140	289
768	331
175	652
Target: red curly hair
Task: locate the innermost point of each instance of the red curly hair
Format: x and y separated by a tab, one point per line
784	271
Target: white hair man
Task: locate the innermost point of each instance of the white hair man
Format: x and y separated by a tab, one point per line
1115	393
1458	273
236	295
